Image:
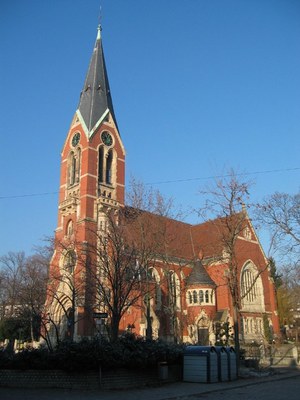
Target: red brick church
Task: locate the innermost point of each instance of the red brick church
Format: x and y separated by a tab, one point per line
187	272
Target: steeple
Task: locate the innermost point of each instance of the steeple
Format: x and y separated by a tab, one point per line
95	100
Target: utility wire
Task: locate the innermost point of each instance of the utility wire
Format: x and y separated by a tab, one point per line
224	176
167	182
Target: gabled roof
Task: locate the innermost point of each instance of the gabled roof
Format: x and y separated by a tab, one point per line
177	239
95	100
161	235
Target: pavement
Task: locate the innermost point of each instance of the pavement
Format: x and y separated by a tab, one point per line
184	390
168	391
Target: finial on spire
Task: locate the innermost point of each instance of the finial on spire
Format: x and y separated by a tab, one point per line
99	32
244	208
200	255
99	24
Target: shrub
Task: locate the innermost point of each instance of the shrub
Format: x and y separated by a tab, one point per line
127	352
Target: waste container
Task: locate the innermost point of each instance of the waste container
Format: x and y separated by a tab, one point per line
231	363
163	371
223	364
200	364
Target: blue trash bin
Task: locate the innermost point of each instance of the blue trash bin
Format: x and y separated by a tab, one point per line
200	364
223	364
231	363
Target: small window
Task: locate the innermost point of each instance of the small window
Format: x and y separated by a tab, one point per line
100	164
109	167
74	167
206	296
73	170
201	297
195	297
69	230
247	233
78	162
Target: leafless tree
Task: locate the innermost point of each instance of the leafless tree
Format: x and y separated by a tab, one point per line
23	287
154	240
280	213
65	293
12	267
146	198
33	290
225	203
116	270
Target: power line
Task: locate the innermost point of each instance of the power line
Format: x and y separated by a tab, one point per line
224	176
167	182
17	196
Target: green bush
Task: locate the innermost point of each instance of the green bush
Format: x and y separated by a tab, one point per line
127	352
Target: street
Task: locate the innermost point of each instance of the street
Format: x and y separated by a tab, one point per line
276	389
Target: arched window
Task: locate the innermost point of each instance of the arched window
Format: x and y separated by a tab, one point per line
201	297
174	290
157	290
251	288
109	160
100	164
190	297
70	261
78	164
206	296
74	167
195	297
212	297
69	230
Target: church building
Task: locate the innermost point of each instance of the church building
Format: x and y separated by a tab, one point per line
183	288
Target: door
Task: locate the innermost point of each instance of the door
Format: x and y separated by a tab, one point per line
203	337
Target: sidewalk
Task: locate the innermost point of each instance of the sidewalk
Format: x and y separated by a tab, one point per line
171	391
183	390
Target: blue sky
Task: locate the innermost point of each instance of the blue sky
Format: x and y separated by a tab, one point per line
198	86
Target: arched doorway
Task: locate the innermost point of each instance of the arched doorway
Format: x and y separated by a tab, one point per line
203	331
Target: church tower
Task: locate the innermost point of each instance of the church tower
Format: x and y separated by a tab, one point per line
91	182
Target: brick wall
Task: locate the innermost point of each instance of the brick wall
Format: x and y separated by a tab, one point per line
112	379
49	379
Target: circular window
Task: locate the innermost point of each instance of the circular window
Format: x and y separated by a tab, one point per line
76	139
106	138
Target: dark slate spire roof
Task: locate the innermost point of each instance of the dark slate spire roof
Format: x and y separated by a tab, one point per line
95	99
199	276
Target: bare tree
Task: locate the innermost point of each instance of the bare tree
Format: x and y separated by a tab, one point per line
12	266
153	212
288	295
225	202
65	293
116	271
23	288
280	213
33	290
146	198
130	244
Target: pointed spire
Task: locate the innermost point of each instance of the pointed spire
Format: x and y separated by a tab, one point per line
95	100
199	276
